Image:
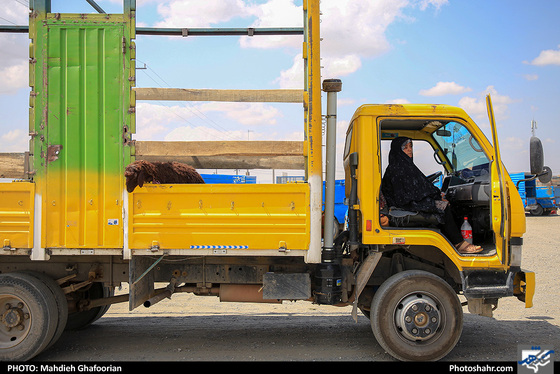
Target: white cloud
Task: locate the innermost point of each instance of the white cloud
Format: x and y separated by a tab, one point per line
155	121
15	141
476	107
14	65
345	101
202	133
435	3
350	31
16	13
547	57
245	113
445	88
341	66
398	101
14	77
531	77
347	26
292	77
275	13
195	13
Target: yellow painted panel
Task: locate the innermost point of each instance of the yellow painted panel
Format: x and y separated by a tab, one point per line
16	214
241	216
83	210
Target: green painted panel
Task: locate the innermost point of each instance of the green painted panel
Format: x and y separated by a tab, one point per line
85	104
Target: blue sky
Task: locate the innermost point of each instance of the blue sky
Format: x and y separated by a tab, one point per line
385	51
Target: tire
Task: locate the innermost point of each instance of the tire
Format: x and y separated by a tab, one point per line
28	321
537	211
61	304
427	333
81	320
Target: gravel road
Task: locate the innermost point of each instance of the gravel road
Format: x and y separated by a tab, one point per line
195	328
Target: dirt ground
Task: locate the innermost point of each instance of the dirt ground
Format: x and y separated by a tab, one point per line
194	328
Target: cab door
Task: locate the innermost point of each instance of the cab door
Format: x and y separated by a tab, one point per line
500	214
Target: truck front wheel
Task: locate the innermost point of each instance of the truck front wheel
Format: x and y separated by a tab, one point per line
416	316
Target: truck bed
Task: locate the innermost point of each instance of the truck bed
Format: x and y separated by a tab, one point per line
219	218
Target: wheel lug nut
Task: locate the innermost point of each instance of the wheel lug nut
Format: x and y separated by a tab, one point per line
20	305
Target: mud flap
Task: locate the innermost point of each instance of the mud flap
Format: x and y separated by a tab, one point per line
362	277
141	280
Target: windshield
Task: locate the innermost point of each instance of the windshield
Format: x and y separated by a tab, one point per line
462	150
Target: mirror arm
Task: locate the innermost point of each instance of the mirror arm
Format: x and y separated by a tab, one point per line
535	176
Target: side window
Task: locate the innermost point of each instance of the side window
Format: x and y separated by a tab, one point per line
423	154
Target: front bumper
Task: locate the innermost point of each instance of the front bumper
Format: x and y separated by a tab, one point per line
524	287
491	284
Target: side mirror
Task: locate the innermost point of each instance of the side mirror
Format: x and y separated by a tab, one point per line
536	155
546	175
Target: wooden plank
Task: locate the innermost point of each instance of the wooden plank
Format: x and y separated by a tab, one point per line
226	155
12	165
233	162
219	148
184	94
201	155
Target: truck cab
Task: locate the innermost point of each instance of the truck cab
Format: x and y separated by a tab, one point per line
477	186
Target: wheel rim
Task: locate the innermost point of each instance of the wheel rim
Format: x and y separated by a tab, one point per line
417	317
15	321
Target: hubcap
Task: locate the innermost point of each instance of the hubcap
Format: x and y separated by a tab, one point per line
417	317
15	321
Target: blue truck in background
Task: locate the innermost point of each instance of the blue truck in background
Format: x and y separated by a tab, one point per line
229	179
538	200
340	208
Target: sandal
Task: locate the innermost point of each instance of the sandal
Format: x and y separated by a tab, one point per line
466	247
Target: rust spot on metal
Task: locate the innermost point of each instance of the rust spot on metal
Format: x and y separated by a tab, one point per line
53	151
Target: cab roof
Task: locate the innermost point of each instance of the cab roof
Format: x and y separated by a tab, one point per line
412	110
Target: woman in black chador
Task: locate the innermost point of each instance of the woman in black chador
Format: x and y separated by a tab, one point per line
405	186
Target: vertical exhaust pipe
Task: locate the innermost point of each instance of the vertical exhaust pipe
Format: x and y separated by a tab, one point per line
331	87
328	275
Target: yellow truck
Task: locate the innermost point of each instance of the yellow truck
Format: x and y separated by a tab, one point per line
70	232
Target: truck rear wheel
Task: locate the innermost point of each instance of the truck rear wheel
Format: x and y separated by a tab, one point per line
61	303
81	320
416	316
538	210
29	317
